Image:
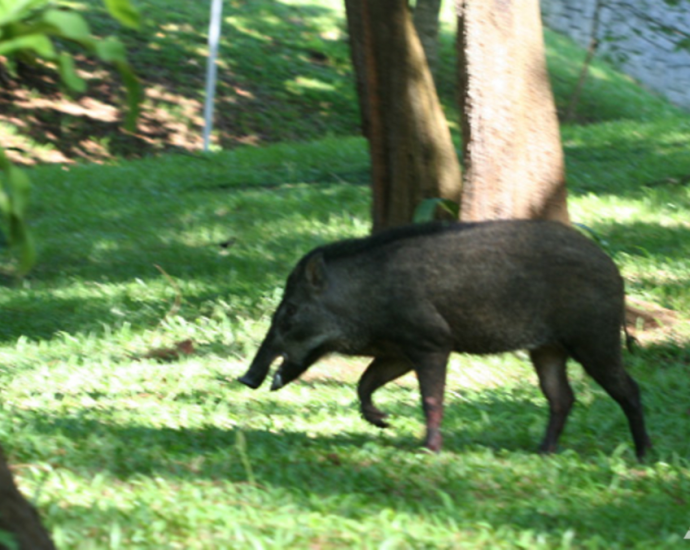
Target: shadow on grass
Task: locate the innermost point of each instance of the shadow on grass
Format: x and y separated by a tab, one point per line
633	168
245	273
376	470
494	421
647	240
40	315
79	288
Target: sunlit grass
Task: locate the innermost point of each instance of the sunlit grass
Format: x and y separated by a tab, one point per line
120	450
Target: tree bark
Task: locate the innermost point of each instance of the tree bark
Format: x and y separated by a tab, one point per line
357	32
412	153
426	13
513	159
18	517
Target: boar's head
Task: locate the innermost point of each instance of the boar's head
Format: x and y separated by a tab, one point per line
303	329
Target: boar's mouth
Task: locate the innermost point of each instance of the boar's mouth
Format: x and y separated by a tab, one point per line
286	373
289	370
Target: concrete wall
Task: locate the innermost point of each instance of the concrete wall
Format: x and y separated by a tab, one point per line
637	46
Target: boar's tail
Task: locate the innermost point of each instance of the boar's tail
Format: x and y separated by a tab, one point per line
630	341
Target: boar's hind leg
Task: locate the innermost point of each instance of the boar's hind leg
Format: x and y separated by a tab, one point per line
379	372
430	368
550	361
610	375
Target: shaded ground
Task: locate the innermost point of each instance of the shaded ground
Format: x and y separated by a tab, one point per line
283	75
54	127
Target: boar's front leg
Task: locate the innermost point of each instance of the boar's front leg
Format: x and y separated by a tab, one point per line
550	364
430	368
379	372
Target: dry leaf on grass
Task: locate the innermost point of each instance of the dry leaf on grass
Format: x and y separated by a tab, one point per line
179	349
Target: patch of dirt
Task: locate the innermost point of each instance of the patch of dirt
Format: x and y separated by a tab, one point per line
50	125
650	323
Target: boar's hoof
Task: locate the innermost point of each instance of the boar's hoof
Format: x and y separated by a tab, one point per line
374	416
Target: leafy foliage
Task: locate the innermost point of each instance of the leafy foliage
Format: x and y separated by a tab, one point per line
427	209
32	31
14	200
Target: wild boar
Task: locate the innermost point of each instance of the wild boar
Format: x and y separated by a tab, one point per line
410	296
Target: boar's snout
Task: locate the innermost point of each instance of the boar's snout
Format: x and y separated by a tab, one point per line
261	364
250	380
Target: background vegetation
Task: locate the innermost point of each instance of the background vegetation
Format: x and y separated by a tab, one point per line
157	277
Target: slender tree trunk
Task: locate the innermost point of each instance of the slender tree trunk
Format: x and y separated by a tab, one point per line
412	153
18	517
584	72
512	152
426	14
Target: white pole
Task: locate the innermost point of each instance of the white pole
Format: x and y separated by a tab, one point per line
213	39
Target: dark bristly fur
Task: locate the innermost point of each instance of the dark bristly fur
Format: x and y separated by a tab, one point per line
410	296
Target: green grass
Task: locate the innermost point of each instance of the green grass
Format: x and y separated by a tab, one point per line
125	452
121	451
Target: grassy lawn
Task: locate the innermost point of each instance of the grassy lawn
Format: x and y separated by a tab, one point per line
124	439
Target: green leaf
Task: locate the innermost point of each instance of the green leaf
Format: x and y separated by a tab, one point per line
69	74
20	186
22	241
18	10
5	163
4	203
14	202
69	24
134	94
39	43
124	12
111	50
427	208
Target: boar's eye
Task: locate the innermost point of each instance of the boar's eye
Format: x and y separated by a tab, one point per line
287	315
290	310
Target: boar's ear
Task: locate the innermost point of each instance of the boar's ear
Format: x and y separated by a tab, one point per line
315	272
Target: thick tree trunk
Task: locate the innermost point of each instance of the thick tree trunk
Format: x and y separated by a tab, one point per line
357	32
426	13
18	517
412	153
512	151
